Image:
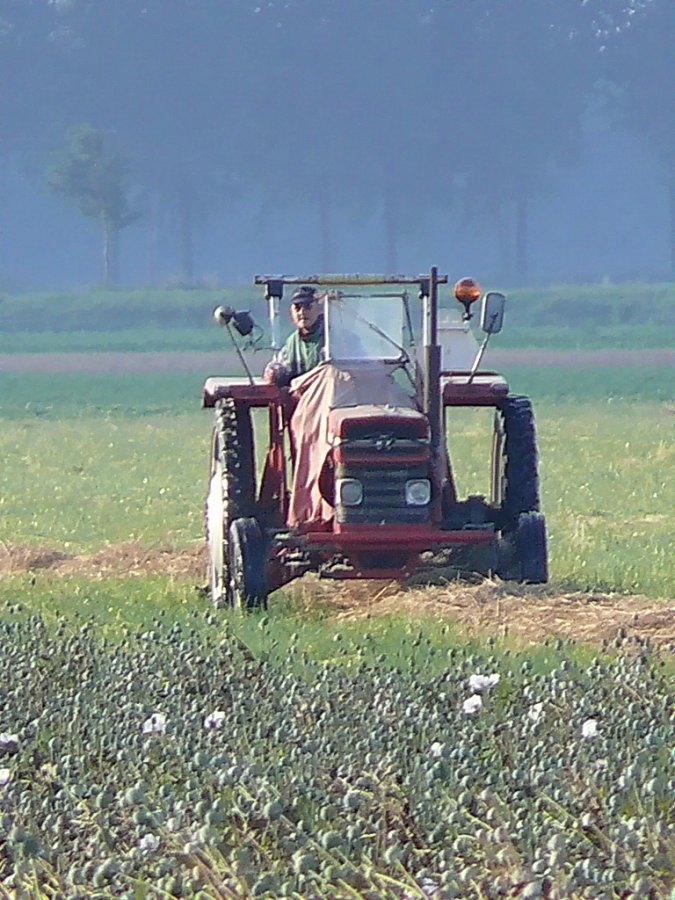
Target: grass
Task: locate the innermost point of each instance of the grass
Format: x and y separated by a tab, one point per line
84	483
606	491
130	340
61	398
116	605
599	386
89	461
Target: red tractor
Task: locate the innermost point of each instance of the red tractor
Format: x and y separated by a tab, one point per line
357	480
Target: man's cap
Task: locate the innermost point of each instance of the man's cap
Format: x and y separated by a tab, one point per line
305	295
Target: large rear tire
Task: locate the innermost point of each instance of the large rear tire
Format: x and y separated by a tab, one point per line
247	564
515	462
515	494
531	548
231	491
523	553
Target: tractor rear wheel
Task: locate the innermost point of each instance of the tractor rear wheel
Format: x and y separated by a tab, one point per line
247	563
531	548
515	471
231	492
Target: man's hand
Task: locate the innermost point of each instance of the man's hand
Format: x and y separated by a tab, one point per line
275	373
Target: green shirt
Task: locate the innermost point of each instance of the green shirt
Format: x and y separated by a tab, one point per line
303	352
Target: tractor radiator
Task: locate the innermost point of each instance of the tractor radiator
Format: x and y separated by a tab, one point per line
384	501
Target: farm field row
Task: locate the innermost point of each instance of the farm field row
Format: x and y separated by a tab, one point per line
172	760
127	462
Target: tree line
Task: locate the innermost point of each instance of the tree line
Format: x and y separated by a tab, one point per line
174	111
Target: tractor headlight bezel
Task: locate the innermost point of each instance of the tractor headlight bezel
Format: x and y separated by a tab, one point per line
418	492
349	491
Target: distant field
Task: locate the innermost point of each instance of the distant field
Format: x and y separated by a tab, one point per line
560	317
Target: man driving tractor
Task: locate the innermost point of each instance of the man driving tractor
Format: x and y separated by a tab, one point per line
304	348
358	481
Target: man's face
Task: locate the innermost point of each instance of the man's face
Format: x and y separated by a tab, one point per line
305	314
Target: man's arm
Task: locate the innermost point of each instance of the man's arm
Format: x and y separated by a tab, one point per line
280	371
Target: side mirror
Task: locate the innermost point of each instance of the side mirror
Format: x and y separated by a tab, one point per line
492	312
242	321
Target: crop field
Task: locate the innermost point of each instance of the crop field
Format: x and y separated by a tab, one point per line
466	740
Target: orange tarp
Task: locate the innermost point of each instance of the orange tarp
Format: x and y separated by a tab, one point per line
370	387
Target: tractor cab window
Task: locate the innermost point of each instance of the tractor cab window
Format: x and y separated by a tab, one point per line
367	326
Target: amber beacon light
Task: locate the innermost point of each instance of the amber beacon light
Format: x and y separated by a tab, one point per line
467	291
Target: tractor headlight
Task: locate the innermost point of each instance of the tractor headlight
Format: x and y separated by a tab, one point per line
418	492
349	491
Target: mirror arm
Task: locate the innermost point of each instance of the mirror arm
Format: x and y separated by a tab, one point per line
478	359
239	353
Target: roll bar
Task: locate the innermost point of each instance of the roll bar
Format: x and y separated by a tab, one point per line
275	283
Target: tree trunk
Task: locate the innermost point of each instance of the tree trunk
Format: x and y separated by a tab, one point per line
115	257
390	225
671	205
107	254
153	240
185	239
521	249
325	230
504	242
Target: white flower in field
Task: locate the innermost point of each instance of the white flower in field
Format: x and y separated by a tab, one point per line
148	843
156	724
473	705
5	776
480	682
215	719
436	749
429	887
536	712
589	729
9	741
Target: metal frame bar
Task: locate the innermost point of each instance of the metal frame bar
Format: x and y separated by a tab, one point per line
356	279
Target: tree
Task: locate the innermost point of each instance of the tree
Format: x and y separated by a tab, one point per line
97	181
526	100
637	45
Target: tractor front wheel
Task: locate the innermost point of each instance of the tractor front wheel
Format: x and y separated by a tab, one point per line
231	492
248	560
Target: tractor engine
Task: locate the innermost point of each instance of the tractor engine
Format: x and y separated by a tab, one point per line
382	467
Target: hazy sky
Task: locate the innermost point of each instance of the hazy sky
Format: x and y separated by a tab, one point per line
525	141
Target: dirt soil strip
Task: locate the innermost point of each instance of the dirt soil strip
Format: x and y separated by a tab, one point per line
209	363
524	614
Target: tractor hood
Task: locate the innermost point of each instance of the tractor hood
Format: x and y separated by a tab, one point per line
359	421
332	402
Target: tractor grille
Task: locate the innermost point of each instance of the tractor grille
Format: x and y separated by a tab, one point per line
383	494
